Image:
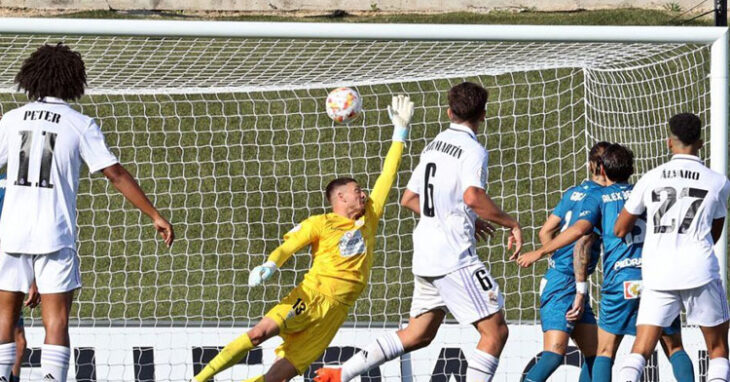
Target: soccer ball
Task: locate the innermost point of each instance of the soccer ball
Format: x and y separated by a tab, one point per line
343	105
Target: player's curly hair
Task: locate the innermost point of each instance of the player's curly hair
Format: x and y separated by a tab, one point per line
334	184
618	162
467	101
687	127
53	71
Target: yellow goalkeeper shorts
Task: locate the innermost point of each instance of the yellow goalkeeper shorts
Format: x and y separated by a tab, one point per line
308	320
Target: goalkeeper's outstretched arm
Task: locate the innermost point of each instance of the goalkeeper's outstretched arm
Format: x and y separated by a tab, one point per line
400	112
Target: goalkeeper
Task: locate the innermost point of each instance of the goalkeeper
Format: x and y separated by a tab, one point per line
342	250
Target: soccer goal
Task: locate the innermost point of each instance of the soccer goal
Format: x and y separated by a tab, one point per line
224	125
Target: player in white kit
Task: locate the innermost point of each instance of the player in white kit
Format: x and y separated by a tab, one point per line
447	189
42	144
685	205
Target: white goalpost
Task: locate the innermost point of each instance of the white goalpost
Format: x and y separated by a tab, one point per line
224	125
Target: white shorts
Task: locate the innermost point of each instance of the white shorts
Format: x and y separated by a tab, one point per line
705	305
469	293
56	272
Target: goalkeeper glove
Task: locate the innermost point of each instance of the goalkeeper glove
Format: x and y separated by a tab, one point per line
400	113
261	273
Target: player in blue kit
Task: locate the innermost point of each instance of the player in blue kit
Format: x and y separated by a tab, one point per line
621	287
564	309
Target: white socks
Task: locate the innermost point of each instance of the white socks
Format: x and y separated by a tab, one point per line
7	359
377	353
718	370
482	366
632	368
54	362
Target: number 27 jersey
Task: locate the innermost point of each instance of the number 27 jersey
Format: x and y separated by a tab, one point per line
681	199
42	144
443	240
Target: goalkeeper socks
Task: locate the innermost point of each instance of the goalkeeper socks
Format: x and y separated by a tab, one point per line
7	359
633	367
586	371
229	356
717	370
482	366
602	369
260	378
377	353
54	362
544	367
682	367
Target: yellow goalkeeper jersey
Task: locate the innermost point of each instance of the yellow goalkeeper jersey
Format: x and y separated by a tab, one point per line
342	249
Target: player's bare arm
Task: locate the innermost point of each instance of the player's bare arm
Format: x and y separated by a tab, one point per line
625	223
549	229
127	186
412	201
718	225
566	237
581	258
478	200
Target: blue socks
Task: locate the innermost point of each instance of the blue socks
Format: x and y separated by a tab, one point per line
587	369
602	369
682	367
544	367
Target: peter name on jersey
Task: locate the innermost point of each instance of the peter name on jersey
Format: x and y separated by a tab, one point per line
446	148
45	115
686	174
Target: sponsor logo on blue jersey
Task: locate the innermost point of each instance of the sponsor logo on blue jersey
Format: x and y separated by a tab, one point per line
627	263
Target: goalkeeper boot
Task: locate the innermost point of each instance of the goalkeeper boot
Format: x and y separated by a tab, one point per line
327	374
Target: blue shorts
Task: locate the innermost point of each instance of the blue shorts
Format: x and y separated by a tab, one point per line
620	306
556	298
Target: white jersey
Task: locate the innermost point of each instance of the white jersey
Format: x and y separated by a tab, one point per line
443	240
42	144
681	199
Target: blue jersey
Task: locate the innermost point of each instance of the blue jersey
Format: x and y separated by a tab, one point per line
620	256
568	210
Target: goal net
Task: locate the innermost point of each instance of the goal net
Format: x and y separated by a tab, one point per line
230	140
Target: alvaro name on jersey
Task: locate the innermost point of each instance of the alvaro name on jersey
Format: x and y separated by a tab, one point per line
681	198
42	144
443	240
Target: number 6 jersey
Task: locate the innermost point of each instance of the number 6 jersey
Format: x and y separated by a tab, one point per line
443	240
681	199
42	144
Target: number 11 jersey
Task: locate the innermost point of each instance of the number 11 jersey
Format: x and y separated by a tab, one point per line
42	144
443	240
681	199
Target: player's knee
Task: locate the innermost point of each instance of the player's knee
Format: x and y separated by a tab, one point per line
497	335
57	326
